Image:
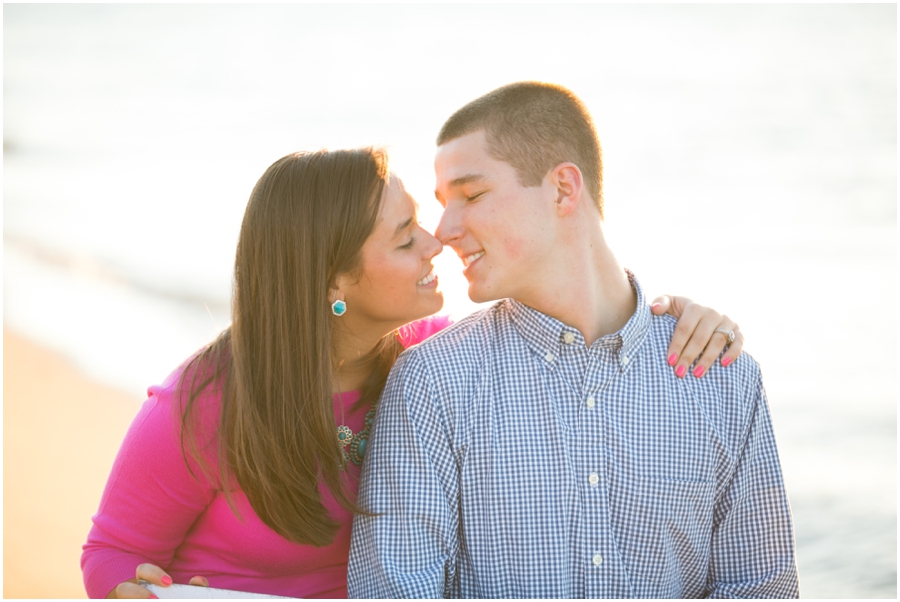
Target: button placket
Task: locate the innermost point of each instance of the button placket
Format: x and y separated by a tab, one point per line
601	368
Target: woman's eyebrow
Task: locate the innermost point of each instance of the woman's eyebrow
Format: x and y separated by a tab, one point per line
402	227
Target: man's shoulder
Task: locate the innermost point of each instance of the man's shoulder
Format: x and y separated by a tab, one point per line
745	370
728	395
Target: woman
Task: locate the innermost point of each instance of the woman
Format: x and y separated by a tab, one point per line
243	464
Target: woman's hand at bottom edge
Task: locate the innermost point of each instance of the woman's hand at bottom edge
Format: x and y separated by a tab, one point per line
152	574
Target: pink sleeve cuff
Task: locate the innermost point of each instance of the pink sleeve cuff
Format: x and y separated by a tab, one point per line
106	568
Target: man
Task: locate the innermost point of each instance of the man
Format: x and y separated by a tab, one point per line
544	447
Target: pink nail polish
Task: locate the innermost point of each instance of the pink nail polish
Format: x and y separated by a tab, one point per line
154	597
655	305
680	371
698	371
726	361
672	359
166	580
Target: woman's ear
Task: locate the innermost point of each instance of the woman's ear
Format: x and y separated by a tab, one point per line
569	183
338	291
336	297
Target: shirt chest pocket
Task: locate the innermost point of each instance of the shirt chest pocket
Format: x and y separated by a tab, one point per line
663	531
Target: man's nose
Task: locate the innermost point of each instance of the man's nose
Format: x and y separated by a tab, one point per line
433	246
449	228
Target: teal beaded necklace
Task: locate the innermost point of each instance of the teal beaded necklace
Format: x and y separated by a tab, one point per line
356	443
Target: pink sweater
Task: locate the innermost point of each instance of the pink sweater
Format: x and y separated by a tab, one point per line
154	510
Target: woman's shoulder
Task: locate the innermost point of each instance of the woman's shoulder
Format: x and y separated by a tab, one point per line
416	332
188	403
201	373
195	382
173	381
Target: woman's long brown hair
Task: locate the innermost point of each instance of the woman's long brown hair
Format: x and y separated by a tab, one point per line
306	222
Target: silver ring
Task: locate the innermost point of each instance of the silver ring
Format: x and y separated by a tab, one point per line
729	334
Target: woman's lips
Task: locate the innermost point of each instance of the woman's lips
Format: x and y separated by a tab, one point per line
430	279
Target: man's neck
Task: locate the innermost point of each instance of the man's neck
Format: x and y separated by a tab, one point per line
589	291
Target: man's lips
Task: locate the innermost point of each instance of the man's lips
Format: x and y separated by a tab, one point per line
470	259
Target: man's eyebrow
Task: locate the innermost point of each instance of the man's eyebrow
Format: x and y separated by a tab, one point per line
467	179
402	227
460	181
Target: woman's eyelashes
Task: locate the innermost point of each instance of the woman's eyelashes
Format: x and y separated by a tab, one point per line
412	238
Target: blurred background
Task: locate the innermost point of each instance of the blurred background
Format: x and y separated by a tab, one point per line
750	163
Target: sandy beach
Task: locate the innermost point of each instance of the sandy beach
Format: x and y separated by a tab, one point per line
61	432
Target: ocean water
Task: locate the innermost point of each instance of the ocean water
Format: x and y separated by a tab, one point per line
750	163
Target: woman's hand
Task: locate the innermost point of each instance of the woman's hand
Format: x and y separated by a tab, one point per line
152	574
696	331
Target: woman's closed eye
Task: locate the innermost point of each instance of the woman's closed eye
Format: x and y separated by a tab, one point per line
409	245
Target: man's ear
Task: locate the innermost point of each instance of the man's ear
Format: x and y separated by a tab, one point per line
569	183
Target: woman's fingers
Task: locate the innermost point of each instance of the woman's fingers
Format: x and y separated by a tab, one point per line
695	336
132	590
660	305
734	350
717	342
694	340
690	317
153	574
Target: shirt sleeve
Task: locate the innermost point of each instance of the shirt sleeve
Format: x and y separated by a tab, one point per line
150	501
408	547
752	553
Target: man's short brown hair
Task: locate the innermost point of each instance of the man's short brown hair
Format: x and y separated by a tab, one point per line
534	127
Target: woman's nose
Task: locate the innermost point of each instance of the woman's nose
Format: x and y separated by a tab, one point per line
432	245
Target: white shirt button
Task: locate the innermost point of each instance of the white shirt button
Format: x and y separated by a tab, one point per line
597	559
569	338
549	357
593	479
624	360
590	402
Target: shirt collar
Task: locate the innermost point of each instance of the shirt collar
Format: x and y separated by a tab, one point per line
546	335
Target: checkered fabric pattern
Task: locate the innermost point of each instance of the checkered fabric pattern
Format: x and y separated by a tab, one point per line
509	460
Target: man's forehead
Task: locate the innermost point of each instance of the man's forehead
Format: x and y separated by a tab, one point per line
461	160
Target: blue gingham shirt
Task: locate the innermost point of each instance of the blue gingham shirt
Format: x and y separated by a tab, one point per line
509	460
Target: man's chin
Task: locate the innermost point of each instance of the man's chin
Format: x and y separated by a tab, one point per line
478	294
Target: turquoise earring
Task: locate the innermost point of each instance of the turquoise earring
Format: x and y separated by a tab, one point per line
339	308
